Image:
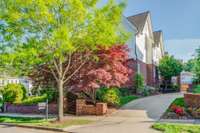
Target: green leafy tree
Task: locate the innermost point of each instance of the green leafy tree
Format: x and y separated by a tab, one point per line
196	68
189	65
169	67
50	32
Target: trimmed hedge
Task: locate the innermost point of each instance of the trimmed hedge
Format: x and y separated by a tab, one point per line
34	100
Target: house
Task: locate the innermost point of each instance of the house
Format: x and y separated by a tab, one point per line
146	50
158	52
4	80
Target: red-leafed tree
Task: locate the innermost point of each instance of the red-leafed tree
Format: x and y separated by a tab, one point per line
108	69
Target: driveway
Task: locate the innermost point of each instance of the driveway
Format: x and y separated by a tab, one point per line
135	117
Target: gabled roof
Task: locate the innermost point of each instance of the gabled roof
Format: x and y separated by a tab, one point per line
139	20
157	36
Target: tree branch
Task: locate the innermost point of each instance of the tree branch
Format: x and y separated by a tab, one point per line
74	72
68	65
54	74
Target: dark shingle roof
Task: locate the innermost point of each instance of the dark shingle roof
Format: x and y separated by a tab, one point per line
139	20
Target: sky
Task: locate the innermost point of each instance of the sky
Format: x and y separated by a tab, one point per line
178	19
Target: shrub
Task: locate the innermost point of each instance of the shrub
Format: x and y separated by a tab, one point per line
35	100
139	83
125	91
13	93
24	91
126	99
52	94
196	89
179	102
109	95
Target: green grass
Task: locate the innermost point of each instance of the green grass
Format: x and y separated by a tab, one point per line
126	99
196	89
42	122
177	128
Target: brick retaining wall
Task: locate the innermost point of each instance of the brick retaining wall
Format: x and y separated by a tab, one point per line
192	100
83	109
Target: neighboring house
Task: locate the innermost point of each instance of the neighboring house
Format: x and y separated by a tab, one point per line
158	48
146	46
15	80
158	52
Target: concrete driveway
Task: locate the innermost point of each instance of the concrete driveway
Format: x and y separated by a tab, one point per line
135	117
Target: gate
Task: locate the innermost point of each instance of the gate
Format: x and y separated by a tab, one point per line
71	102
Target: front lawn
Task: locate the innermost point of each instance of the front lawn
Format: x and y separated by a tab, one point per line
126	99
177	128
42	122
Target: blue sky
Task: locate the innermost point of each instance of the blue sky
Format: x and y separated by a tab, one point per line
178	19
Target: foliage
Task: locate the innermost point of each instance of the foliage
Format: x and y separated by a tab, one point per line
113	96
1	103
196	68
51	93
177	109
139	83
24	91
179	102
189	65
177	128
126	99
35	100
109	95
13	93
19	120
42	122
196	89
50	33
110	70
169	67
125	91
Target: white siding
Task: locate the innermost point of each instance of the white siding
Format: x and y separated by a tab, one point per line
131	42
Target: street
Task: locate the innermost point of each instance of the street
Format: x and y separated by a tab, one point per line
11	129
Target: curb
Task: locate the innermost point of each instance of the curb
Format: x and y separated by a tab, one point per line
34	127
189	121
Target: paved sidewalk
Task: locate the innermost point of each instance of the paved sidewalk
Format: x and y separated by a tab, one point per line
26	115
135	117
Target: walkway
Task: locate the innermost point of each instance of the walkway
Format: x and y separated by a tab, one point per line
135	117
13	129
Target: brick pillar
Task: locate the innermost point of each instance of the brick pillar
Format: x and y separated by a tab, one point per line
79	105
101	108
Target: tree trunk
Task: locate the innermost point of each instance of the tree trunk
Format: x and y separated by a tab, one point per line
60	101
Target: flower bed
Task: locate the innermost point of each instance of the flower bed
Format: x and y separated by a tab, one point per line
184	108
177	110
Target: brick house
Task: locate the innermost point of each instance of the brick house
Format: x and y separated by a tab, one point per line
146	47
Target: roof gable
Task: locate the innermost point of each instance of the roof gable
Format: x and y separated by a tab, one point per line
139	20
157	36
